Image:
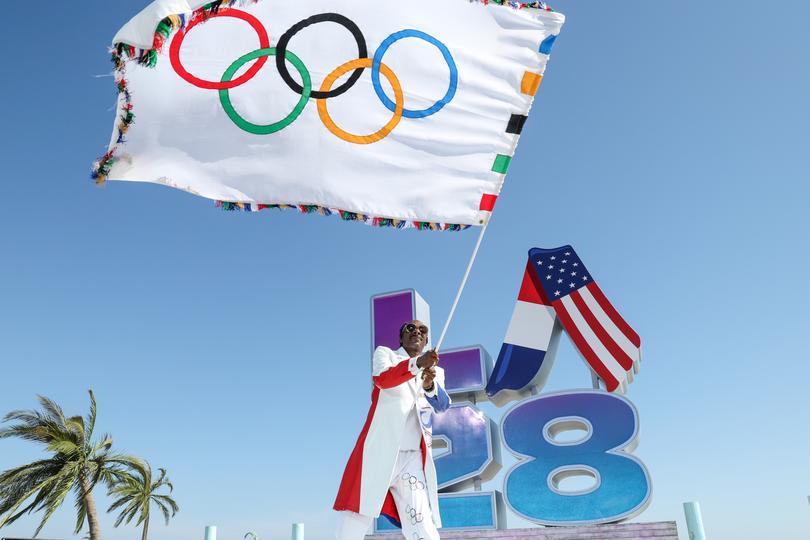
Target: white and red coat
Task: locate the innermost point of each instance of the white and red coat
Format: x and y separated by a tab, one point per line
397	390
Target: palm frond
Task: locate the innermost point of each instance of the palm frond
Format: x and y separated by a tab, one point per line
129	512
75	425
125	460
81	515
91	417
62	446
168	501
53	410
104	444
54	500
42	466
17	502
119	502
163	508
33	426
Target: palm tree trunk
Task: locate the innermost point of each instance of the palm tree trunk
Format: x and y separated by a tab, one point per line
145	529
90	508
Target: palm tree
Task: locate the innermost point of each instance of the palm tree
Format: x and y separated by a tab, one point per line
77	464
135	494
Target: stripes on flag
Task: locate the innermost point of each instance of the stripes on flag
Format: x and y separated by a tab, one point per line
558	293
609	345
527	353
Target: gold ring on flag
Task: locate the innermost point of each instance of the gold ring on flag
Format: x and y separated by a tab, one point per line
345	135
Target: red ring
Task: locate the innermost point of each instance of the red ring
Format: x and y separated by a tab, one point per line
177	42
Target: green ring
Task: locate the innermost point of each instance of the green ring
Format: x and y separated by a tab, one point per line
256	129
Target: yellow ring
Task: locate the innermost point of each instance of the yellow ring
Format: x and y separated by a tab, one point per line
387	128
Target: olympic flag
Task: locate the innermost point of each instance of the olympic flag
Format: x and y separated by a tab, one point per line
391	113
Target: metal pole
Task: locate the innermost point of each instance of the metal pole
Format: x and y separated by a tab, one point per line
461	287
694	521
211	532
298	531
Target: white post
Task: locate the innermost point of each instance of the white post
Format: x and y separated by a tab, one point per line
461	287
298	531
694	521
211	532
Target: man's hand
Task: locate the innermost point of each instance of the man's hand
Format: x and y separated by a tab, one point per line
429	359
427	377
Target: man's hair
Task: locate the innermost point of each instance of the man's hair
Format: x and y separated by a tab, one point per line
402	330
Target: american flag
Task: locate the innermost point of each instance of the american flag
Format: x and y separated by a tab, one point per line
609	345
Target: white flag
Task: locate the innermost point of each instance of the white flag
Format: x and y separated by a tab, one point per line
393	113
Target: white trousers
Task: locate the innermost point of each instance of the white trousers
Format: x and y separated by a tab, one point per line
411	498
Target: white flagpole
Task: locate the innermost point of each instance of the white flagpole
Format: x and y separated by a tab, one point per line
463	284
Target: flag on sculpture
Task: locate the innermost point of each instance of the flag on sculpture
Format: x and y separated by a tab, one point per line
527	353
392	113
558	288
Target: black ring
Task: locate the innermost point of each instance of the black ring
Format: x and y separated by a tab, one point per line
281	48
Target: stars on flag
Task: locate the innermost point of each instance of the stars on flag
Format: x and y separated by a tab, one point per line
608	343
564	270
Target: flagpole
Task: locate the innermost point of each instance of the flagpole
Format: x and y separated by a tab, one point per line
463	284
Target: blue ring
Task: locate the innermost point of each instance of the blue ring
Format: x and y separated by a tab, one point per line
375	73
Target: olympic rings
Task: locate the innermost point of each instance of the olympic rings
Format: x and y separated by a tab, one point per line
375	73
174	51
283	55
284	40
361	139
225	98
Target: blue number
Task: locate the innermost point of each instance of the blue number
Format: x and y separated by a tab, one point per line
473	450
622	483
469	437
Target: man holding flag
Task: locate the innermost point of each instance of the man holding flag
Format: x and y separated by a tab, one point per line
391	117
391	470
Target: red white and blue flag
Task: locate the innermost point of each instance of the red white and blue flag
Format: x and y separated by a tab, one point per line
557	280
603	337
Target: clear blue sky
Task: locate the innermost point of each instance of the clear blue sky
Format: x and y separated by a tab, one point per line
233	349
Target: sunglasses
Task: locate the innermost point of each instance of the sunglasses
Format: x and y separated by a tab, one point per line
411	328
